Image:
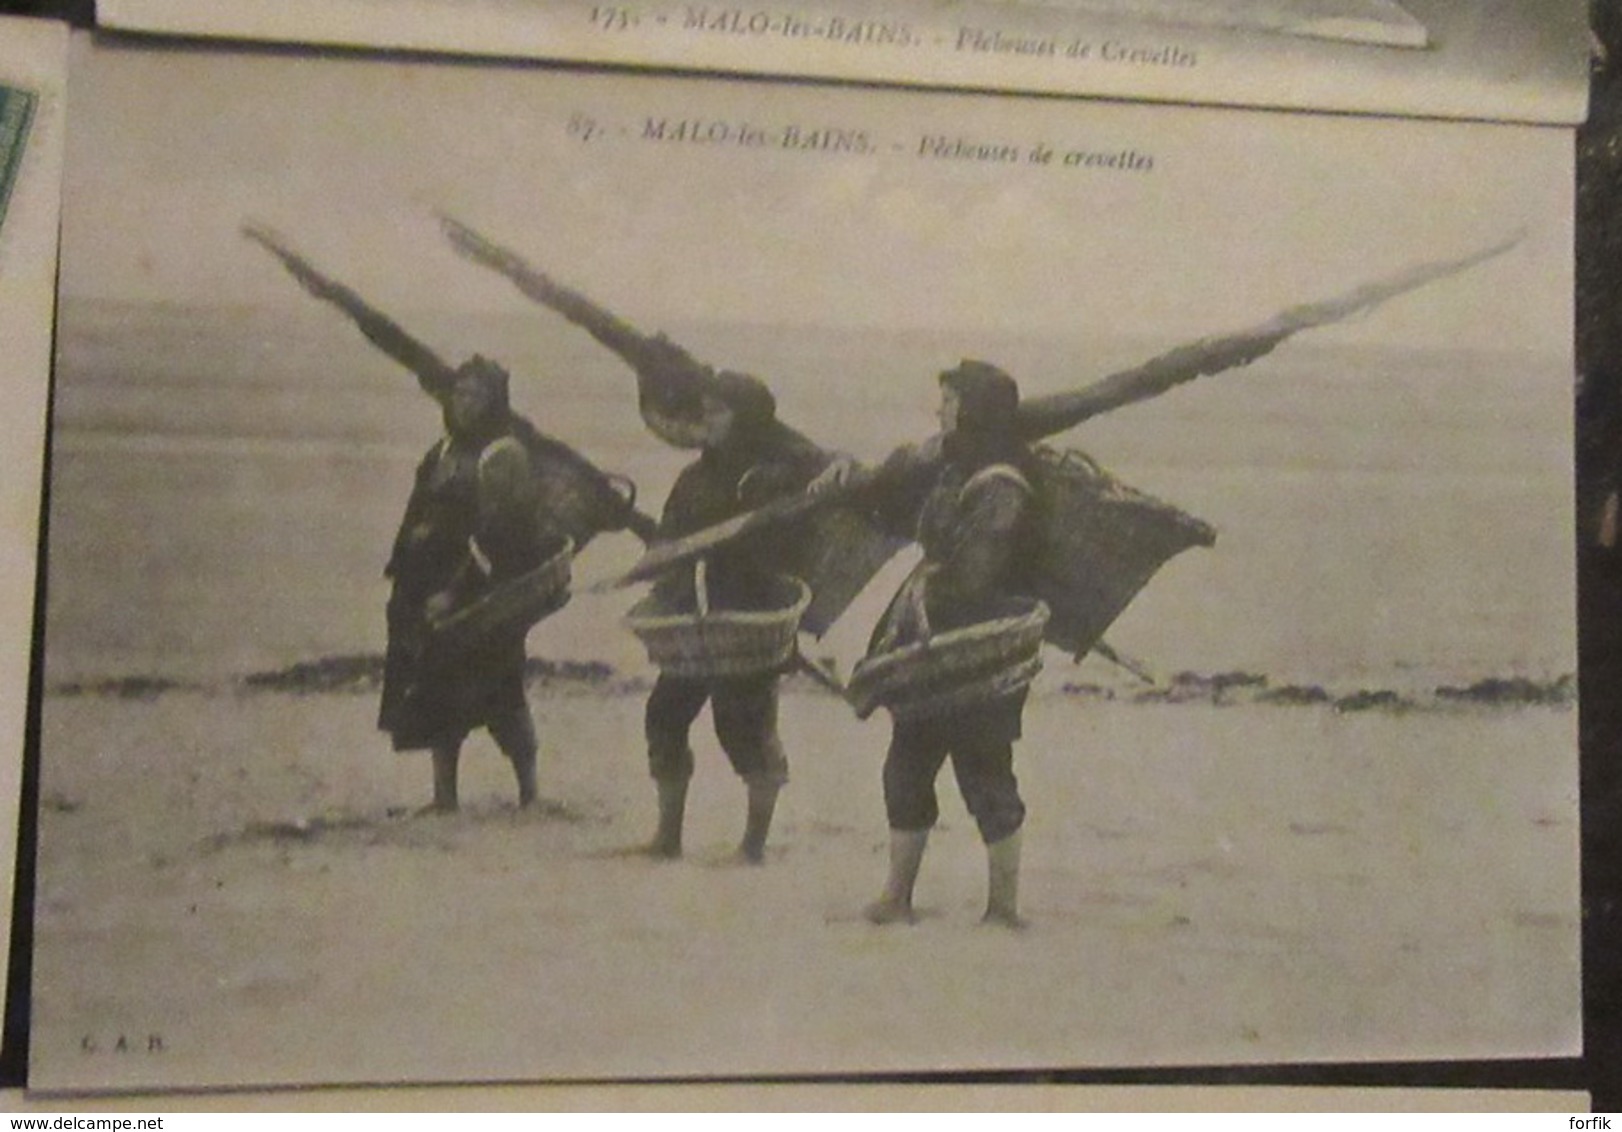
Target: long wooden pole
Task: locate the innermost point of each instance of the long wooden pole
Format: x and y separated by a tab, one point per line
1046	416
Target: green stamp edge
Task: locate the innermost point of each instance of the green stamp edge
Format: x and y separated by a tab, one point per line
16	119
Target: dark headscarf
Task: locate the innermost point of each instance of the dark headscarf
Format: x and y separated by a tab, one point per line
754	417
498	409
752	404
987	429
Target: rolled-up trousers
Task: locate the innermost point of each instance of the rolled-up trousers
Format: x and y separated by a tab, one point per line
981	747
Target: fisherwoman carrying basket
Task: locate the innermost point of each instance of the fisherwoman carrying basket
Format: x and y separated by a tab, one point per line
972	515
722	630
496	512
473	522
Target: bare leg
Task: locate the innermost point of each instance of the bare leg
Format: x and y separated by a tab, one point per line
672	706
745	714
894	905
445	759
762	805
910	767
515	735
666	843
1002	901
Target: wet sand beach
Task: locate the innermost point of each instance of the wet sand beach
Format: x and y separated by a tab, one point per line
233	883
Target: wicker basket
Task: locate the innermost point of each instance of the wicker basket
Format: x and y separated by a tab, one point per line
578	498
1100	543
513	606
956	669
708	643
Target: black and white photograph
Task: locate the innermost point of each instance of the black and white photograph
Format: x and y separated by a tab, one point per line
524	549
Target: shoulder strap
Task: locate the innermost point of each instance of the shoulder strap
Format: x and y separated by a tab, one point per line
431	459
506	443
994	472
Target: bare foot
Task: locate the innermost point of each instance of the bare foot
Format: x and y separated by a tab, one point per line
1005	918
435	809
887	910
659	851
641	851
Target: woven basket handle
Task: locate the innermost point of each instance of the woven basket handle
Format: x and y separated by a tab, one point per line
701	587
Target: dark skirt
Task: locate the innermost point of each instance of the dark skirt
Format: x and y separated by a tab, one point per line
433	699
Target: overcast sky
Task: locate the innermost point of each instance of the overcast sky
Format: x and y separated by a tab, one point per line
1242	213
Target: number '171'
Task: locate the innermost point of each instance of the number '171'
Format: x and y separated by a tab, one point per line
613	18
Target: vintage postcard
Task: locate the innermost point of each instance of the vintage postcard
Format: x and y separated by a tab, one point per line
1355	21
33	78
879	391
1434	58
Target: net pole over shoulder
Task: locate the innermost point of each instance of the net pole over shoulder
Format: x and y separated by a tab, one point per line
433	374
1043	417
670	381
610	501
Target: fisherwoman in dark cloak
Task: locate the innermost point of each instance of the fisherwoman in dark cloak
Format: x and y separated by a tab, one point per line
472	522
493	500
971	514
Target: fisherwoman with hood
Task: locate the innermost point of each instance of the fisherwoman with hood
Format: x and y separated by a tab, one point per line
493	501
473	521
748	458
971	513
